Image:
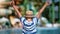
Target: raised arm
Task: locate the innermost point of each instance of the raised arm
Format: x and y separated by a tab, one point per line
42	9
17	11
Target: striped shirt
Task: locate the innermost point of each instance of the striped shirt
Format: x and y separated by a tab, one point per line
29	26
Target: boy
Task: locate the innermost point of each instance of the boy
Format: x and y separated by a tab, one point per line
29	21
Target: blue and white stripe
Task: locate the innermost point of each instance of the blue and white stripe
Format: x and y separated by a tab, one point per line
29	26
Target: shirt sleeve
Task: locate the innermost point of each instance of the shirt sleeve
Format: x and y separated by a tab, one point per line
22	19
35	20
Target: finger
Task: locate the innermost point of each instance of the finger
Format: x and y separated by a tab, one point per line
49	1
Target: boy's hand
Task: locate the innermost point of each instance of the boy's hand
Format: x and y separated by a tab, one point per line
48	2
12	3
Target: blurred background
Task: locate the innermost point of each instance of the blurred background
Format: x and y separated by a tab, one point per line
49	23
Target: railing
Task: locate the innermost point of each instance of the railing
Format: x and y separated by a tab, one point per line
40	30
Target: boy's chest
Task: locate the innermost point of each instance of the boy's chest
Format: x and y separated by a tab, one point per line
29	23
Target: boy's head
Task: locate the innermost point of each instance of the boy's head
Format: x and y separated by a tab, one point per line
29	14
